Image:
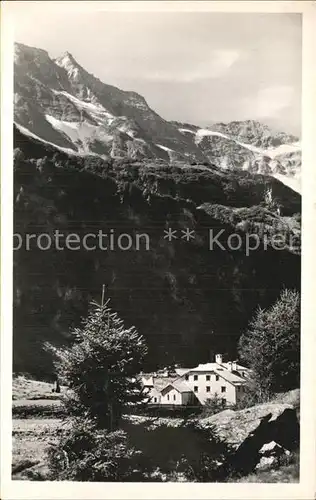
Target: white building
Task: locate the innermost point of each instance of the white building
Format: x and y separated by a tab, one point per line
177	393
193	386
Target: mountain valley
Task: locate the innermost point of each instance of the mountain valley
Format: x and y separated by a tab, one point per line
89	156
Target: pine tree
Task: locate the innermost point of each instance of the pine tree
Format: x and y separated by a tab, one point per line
271	346
100	370
101	367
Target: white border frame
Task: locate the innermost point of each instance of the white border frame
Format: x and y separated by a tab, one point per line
34	490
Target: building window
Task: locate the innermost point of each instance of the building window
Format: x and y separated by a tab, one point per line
168	397
174	397
223	388
224	401
186	377
208	389
208	377
155	400
196	388
217	378
195	377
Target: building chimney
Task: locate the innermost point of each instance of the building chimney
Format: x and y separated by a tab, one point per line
218	359
234	366
230	366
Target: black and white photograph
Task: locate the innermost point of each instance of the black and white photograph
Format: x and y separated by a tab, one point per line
156	255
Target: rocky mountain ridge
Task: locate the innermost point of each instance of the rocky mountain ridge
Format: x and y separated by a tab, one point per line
58	101
250	146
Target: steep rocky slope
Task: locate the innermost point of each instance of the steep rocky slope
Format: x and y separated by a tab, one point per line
250	146
254	133
186	299
59	102
62	103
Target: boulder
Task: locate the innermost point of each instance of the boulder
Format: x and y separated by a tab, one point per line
271	454
250	433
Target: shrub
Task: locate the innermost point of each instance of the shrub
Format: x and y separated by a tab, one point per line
252	397
87	454
213	405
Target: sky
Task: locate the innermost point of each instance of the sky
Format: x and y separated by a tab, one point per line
200	67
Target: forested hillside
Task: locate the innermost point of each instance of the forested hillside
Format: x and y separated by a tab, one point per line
187	300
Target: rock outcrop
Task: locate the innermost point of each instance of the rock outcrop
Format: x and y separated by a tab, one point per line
259	435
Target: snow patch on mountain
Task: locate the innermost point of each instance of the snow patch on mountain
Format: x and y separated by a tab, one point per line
97	111
69	64
80	133
184	130
202	132
284	149
252	148
125	129
165	148
27	132
271	152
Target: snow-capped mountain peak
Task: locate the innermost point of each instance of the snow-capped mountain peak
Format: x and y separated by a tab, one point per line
68	62
61	103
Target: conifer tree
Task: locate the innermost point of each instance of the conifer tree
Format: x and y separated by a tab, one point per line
271	346
101	367
100	370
